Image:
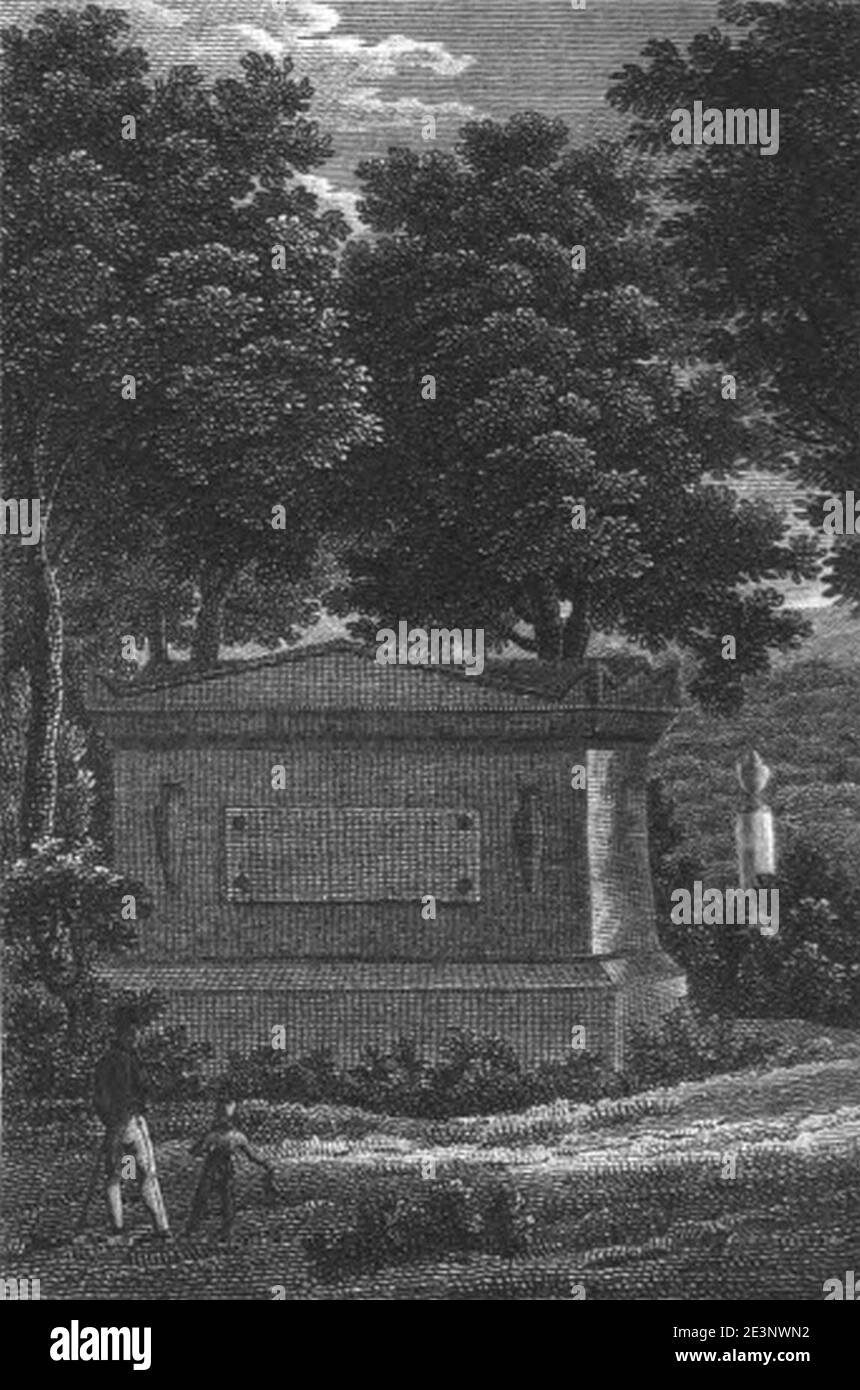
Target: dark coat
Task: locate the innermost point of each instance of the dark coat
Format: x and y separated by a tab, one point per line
120	1088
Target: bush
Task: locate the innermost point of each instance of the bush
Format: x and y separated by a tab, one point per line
482	1076
810	969
473	1076
43	1058
267	1074
171	1062
62	909
399	1082
687	1047
441	1217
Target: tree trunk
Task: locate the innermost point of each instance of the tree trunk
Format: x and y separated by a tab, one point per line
157	634
574	637
39	799
557	638
206	642
546	621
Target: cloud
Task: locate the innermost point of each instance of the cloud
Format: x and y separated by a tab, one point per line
370	89
310	18
308	30
160	15
332	195
374	85
351	74
379	68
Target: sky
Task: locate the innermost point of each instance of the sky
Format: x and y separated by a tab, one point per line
380	67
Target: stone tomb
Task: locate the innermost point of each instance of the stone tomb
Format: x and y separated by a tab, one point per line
301	906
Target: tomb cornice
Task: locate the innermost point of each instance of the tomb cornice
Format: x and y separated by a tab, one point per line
338	690
262	729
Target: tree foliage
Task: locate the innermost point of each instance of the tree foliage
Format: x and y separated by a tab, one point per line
151	258
554	385
768	247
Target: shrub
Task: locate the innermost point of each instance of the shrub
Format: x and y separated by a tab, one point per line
482	1076
399	1082
687	1047
476	1074
171	1062
810	969
441	1217
43	1058
267	1074
62	909
473	1076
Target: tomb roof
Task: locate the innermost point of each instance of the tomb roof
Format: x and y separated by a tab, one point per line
342	674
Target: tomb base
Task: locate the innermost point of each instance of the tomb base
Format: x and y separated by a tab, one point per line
349	1006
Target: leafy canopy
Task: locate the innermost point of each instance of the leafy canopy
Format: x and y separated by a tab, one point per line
553	384
768	247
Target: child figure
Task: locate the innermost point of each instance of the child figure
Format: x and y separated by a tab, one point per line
221	1146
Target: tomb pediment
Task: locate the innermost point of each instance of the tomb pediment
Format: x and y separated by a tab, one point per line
255	698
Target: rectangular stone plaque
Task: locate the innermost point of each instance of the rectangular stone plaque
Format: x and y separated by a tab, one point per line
311	854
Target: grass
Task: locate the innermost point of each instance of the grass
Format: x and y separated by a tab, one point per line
628	1197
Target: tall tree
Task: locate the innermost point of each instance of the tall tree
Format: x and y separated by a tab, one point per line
59	234
517	280
246	403
768	245
138	226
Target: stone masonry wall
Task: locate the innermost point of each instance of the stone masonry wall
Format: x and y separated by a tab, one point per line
195	921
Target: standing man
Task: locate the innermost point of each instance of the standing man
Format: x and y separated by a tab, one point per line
119	1103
